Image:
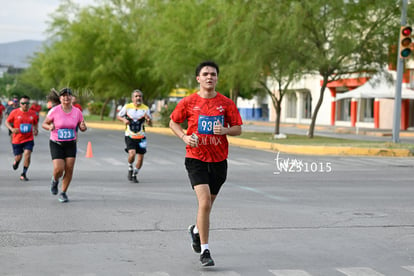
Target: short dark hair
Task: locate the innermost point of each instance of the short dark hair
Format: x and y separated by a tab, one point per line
25	97
204	64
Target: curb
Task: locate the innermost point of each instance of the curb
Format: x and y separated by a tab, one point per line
321	150
292	149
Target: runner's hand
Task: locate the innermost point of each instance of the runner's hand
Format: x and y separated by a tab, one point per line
219	129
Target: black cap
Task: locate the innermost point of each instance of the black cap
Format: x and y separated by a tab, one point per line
65	90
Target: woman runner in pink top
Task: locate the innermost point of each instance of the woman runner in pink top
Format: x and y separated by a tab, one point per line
63	121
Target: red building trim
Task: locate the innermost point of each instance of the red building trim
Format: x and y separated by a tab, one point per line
350	83
405	106
376	113
333	106
354	110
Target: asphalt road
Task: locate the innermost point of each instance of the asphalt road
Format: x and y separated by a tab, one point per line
278	214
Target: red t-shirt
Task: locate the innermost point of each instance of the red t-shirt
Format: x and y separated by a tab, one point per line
78	106
201	114
36	107
24	121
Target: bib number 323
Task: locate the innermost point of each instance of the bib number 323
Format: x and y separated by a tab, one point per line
207	123
66	134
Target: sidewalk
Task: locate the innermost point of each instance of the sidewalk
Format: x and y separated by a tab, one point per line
334	131
293	149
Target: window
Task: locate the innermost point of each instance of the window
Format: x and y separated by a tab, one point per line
307	106
291	105
367	110
343	110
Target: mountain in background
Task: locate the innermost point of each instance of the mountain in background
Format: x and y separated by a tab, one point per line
17	53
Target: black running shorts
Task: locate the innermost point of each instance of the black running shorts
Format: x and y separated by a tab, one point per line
212	173
62	150
18	149
139	145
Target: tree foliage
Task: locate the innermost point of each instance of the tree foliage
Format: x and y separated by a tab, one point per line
345	37
261	46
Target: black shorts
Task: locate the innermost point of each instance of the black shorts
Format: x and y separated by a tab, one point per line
18	149
212	173
62	150
139	145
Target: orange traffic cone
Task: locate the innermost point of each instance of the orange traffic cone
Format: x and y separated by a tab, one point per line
89	153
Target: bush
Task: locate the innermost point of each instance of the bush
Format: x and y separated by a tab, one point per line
95	108
165	115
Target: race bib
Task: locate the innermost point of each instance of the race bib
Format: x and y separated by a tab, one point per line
135	126
207	123
25	128
66	134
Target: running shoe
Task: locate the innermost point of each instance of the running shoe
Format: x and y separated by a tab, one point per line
15	165
206	259
130	175
63	197
134	178
23	177
54	187
196	244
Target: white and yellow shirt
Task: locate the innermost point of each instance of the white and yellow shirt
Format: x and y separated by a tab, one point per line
136	116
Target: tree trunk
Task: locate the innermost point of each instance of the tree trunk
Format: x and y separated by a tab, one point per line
104	107
115	109
277	121
318	106
234	94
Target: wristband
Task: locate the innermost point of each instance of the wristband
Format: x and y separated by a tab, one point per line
182	136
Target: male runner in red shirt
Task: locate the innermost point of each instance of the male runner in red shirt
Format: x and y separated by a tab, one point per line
36	108
23	123
211	116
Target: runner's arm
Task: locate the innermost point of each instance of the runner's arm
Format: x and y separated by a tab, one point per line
48	124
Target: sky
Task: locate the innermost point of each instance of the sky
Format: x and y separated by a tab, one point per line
27	19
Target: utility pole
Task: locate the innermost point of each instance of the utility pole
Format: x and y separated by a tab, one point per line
400	68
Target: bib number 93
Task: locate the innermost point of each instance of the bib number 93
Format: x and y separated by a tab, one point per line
207	123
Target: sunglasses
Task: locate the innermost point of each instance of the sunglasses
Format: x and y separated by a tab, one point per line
24	102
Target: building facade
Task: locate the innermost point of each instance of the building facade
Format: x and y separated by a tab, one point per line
371	106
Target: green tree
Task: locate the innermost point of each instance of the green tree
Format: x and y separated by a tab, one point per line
344	37
99	51
187	32
261	49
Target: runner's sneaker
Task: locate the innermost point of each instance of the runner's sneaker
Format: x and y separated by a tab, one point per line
63	197
23	177
130	175
206	259
54	187
134	178
196	244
